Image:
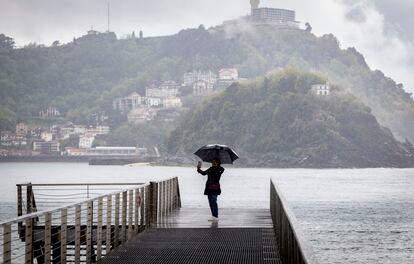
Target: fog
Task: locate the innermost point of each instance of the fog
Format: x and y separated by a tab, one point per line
379	29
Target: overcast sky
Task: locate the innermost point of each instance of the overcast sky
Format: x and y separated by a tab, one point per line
380	29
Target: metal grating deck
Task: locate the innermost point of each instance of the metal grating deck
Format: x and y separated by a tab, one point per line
200	246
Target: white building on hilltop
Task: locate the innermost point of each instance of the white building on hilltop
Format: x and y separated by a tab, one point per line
161	92
49	112
86	141
191	77
133	101
169	85
321	89
228	74
172	102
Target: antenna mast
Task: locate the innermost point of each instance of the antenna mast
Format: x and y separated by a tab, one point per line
108	18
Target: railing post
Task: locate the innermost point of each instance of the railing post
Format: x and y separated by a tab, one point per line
108	224
130	212
116	234
77	233
124	216
161	204
148	194
144	204
177	185
136	211
48	234
63	235
29	241
170	195
89	221
167	196
7	244
29	196
174	193
153	204
99	231
19	200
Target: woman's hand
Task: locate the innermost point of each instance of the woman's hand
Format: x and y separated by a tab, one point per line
199	165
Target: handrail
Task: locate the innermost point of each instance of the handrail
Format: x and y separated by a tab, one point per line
87	230
293	245
78	184
56	209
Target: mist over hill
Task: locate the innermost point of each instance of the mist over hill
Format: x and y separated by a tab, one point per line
279	121
84	76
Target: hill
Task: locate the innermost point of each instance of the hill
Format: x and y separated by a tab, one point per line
281	122
82	78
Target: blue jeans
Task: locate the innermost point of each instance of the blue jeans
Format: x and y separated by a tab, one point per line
212	200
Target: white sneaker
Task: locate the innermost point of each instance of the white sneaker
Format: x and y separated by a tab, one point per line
213	219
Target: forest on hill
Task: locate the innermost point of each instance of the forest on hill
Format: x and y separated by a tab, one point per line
82	77
279	121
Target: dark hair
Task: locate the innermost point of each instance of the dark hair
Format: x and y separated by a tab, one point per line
217	160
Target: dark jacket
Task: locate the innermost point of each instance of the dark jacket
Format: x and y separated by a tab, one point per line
213	180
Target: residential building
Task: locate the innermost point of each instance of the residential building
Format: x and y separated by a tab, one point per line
79	129
51	147
202	87
168	85
116	151
161	92
154	101
228	74
75	151
321	89
274	16
21	130
191	77
172	102
86	141
46	136
141	115
98	130
128	103
49	112
6	138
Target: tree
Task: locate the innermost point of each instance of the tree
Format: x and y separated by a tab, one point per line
6	42
308	27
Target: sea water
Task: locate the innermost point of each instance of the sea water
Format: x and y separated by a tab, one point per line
348	216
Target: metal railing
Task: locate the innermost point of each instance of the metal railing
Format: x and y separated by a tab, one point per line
33	197
293	247
88	230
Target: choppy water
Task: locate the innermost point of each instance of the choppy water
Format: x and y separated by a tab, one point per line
349	216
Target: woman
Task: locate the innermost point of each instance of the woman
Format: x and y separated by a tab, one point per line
212	189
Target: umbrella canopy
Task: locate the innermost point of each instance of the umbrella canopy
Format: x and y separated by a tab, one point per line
215	151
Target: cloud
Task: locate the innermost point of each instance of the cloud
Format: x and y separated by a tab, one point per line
360	24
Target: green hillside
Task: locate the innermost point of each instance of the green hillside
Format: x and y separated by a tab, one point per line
279	121
82	77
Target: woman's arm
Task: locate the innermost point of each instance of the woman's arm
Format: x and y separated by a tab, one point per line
203	172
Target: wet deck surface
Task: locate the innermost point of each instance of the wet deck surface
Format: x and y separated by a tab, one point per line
228	218
186	236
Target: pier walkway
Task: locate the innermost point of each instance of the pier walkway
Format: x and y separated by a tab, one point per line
144	223
185	236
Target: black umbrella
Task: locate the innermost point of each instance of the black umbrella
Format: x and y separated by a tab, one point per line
214	151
